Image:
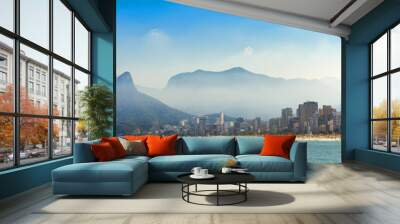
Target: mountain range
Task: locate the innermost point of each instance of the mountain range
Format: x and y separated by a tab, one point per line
242	93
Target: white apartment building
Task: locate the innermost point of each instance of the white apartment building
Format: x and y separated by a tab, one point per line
34	79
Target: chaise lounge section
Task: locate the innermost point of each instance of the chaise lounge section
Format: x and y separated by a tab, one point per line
88	177
125	176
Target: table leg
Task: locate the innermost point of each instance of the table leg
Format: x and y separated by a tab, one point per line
217	194
182	189
245	193
195	188
188	190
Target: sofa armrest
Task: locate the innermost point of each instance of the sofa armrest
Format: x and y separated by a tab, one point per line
83	152
298	155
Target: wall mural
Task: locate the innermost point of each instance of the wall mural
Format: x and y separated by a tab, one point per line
197	72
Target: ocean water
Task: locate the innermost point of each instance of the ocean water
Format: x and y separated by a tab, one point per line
324	151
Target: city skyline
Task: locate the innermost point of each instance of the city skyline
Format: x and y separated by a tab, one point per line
309	119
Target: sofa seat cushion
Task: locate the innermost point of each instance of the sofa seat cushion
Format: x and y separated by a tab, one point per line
112	171
185	163
257	163
133	157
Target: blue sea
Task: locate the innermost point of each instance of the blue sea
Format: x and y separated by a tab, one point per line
324	151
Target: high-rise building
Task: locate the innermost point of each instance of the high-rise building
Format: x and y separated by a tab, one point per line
274	124
201	125
326	119
308	117
221	119
257	124
286	115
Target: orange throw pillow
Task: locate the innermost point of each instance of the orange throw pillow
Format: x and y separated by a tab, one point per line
277	145
116	145
161	145
103	152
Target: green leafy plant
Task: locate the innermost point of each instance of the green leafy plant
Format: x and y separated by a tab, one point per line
96	102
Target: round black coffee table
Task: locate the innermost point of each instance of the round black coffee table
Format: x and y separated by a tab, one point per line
238	179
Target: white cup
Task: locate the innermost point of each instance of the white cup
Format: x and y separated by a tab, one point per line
226	170
203	172
196	171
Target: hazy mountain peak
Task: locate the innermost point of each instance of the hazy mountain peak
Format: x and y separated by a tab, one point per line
205	79
126	76
136	109
237	69
233	70
127	79
199	71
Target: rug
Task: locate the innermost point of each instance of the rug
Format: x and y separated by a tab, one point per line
166	198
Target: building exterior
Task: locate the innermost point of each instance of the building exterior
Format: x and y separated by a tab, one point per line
286	115
308	117
34	81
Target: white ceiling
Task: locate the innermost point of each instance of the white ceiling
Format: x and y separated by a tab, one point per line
327	16
321	9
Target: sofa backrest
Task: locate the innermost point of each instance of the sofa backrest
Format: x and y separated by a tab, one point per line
83	152
207	145
249	144
229	145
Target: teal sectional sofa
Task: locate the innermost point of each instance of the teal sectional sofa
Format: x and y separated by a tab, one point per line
125	176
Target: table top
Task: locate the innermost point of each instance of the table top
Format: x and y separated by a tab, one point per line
220	178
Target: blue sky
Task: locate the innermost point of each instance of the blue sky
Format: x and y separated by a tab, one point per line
158	39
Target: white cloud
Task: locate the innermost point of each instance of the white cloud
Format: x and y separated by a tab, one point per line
248	51
157	36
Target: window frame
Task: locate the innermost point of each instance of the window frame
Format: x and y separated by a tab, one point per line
16	115
388	74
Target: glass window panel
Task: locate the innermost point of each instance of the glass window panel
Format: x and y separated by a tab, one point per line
81	131
62	28
395	94
6	142
395	136
33	140
395	47
62	138
62	89
379	135
379	55
81	82
81	45
7	14
6	74
33	61
379	98
35	21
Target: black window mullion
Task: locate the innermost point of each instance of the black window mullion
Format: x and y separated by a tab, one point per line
50	77
89	54
389	104
16	84
73	81
371	143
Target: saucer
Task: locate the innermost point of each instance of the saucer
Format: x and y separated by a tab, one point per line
208	176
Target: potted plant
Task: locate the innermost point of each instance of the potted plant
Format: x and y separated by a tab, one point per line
96	102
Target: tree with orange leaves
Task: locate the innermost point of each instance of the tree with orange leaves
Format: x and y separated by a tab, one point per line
33	131
6	122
